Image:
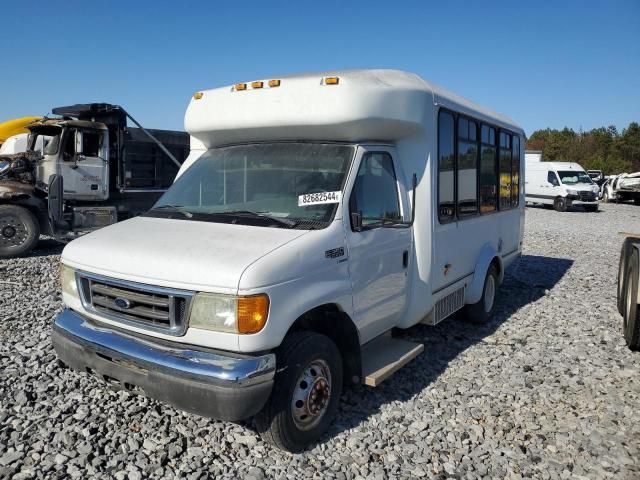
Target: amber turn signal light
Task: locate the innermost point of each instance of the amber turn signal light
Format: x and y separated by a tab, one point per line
252	313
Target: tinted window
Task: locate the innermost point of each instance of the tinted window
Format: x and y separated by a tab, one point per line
467	168
551	178
505	171
515	172
375	192
446	204
488	171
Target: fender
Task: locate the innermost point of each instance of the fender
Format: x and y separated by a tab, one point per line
11	190
486	256
25	195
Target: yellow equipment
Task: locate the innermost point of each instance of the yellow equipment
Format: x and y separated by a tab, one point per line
14	127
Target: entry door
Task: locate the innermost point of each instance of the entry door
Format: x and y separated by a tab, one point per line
555	187
378	255
84	167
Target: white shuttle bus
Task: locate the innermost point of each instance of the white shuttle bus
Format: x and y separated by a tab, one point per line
317	213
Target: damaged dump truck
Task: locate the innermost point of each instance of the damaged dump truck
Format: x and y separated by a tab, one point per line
94	171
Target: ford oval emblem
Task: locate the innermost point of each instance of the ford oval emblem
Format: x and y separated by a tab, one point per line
122	302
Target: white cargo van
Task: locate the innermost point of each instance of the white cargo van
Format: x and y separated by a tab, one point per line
320	212
561	185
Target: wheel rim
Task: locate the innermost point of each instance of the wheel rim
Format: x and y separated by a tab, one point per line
311	395
489	293
13	232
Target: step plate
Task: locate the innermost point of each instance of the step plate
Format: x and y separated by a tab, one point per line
385	355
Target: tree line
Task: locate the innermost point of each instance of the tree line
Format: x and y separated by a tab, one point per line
602	148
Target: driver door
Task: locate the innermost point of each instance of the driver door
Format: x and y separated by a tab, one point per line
84	167
378	255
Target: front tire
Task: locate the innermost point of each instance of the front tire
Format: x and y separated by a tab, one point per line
482	311
306	392
631	315
19	231
560	204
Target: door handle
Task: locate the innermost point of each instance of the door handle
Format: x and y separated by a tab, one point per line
405	259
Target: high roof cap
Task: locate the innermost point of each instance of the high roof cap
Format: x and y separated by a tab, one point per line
385	105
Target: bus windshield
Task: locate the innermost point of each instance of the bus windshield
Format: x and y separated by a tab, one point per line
571	177
289	183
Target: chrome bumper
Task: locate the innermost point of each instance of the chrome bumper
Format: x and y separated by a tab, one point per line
219	385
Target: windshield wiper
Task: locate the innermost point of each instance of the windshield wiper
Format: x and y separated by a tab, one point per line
177	208
282	221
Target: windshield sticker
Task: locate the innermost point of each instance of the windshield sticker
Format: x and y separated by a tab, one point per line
318	198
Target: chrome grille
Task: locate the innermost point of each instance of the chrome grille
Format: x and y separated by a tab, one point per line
154	308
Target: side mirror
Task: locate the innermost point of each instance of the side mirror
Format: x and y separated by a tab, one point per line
356	221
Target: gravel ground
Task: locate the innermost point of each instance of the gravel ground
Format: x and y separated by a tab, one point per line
547	390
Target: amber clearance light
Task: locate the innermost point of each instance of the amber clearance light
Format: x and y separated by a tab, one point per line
252	313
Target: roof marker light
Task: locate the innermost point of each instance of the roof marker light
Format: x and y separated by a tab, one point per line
198	95
331	80
274	83
257	84
240	86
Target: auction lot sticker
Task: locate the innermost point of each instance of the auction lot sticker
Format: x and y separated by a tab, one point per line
318	198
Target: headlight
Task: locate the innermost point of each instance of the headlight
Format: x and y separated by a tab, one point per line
68	282
571	191
224	313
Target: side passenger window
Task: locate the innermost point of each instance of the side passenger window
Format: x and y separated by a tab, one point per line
375	192
446	167
552	179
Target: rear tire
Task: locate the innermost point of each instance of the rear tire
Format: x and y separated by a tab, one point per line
631	315
482	311
560	204
306	392
19	231
625	255
605	197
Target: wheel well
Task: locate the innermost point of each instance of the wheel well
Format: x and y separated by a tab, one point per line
498	265
329	320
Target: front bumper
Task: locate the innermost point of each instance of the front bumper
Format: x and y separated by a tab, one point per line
218	385
579	200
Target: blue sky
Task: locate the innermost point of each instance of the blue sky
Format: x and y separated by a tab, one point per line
545	64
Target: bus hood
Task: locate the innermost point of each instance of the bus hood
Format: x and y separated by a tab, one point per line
192	255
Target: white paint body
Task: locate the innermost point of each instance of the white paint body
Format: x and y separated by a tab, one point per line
18	144
538	188
532	156
375	110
